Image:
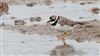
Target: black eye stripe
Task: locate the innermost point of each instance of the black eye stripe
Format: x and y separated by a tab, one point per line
55	22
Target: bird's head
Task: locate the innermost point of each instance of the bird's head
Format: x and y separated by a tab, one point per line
53	20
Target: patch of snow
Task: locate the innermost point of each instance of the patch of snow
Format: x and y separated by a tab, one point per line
15	43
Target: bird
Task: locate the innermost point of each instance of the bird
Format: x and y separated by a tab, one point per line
62	21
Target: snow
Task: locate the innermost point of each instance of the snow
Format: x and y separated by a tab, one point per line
15	43
71	11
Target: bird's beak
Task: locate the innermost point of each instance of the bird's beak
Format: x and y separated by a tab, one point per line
51	20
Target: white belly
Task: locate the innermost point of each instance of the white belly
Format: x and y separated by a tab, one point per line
63	28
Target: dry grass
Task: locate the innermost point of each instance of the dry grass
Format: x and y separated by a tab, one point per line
3	8
90	31
48	2
33	29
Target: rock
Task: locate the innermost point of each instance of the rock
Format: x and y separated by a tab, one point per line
95	10
82	3
30	4
38	19
13	17
89	2
3	24
19	22
32	19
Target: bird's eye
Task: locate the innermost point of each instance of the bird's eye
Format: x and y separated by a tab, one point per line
52	19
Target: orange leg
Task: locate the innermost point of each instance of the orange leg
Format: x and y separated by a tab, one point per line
64	42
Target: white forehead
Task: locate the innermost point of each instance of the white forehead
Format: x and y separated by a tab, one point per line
53	17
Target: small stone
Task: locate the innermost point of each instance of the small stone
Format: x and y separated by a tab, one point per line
32	19
38	19
19	22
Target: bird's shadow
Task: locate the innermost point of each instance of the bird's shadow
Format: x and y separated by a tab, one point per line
62	50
